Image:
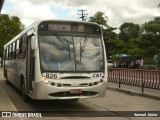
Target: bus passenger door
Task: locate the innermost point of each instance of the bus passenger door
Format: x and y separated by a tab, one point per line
30	67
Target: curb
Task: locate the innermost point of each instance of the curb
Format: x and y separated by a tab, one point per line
134	93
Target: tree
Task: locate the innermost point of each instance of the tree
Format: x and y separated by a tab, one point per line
99	18
136	52
152	26
9	28
128	31
134	43
109	36
118	46
151	35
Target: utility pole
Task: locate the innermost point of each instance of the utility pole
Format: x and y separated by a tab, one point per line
83	15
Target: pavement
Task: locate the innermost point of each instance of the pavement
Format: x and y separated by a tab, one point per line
6	103
135	90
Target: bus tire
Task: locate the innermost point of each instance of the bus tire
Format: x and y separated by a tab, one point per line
23	93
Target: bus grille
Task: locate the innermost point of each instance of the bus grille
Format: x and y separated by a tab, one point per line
78	85
68	94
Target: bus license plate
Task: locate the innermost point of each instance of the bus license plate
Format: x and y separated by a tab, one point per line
75	91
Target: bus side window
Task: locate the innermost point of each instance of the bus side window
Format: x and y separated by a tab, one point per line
13	50
20	47
23	47
6	54
17	49
10	52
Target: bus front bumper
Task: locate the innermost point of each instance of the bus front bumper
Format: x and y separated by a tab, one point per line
45	91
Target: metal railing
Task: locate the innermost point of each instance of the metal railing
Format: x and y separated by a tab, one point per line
135	77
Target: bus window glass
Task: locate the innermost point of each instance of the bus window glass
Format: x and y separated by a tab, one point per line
68	53
10	52
13	50
17	49
23	46
6	56
70	47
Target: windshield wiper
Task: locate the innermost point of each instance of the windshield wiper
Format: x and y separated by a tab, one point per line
64	44
83	46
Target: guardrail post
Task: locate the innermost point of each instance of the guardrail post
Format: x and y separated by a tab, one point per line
119	78
142	81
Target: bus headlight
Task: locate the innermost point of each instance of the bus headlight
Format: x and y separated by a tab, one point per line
45	80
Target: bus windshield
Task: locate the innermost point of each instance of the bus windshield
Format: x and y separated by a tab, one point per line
71	53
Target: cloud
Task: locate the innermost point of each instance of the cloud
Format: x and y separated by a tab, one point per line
27	21
4	11
118	12
73	14
29	11
137	11
66	3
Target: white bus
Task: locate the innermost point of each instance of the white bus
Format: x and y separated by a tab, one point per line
56	59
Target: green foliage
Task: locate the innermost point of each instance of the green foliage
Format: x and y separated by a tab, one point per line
109	34
137	52
99	18
152	26
133	43
9	28
133	39
128	31
115	58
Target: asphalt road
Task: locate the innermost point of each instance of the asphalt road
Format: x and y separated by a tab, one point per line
112	103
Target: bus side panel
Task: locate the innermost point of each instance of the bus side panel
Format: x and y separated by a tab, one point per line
15	69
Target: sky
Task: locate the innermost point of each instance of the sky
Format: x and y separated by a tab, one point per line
117	11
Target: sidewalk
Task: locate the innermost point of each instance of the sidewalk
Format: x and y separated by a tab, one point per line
5	102
135	90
